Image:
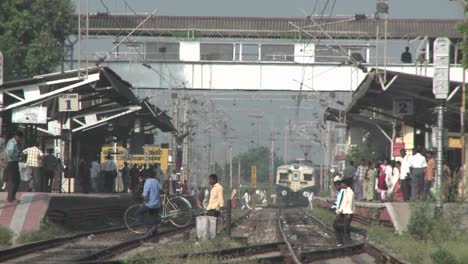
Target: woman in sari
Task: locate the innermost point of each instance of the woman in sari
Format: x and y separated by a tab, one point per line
234	198
385	171
370	177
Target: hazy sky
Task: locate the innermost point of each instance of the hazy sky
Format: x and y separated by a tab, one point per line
437	9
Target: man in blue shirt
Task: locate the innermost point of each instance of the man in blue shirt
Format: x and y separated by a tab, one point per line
13	151
149	214
339	197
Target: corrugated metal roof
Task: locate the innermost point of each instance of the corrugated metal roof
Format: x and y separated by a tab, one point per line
255	27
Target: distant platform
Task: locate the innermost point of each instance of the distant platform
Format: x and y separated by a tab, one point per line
32	209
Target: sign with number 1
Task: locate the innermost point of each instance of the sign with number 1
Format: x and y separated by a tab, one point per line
69	102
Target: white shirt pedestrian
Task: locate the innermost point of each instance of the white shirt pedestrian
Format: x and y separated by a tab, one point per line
246	201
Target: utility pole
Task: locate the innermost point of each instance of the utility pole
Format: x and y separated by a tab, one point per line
230	167
441	90
272	165
238	174
176	125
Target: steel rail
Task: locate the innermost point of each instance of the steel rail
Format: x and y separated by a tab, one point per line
101	256
127	245
285	239
22	250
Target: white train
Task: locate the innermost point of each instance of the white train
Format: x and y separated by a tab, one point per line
294	182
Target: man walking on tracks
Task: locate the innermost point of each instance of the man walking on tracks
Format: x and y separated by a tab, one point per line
149	214
344	213
216	197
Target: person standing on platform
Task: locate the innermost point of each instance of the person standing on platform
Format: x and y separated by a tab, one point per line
85	175
372	175
342	224
134	178
430	173
109	170
406	56
418	164
13	155
95	173
216	202
126	177
3	164
57	182
405	174
48	168
359	180
34	163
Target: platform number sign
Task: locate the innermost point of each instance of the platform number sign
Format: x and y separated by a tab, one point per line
403	106
69	102
254	176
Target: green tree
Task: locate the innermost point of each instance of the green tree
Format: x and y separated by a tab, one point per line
32	34
463	28
359	152
260	157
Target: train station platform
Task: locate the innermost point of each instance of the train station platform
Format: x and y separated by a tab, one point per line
32	209
392	215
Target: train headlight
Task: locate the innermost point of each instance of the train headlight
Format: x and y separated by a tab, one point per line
284	193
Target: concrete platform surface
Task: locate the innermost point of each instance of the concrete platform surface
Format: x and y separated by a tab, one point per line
32	209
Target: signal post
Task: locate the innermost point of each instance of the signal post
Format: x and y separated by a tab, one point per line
254	184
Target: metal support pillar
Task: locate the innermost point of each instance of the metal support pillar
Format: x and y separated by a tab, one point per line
440	150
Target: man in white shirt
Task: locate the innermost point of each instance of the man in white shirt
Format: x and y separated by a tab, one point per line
109	170
405	174
344	217
418	165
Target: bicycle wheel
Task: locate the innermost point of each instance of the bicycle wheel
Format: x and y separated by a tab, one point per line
179	211
134	224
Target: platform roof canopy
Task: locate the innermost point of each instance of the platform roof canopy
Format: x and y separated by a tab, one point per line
107	102
372	103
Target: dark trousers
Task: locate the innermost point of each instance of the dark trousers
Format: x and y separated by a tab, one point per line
148	216
417	183
13	180
48	176
405	189
108	181
342	226
213	212
39	181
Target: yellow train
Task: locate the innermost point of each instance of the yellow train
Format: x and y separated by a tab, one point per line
294	182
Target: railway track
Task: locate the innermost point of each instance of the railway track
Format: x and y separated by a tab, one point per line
89	247
83	247
323	249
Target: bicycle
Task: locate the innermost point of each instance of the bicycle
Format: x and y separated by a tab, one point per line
174	209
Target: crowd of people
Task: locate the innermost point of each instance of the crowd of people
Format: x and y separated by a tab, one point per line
407	178
27	168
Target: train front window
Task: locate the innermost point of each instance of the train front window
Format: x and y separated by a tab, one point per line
284	176
307	176
295	176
